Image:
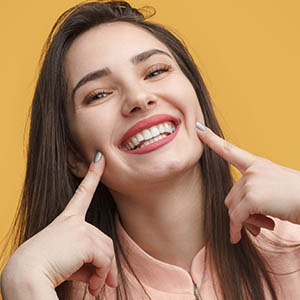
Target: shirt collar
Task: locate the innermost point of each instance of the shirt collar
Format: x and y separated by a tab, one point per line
157	274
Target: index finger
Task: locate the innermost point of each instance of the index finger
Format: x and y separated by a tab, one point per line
81	200
238	157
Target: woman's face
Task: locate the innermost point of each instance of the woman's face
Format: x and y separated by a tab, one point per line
128	98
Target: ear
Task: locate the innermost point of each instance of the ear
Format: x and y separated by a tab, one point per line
77	165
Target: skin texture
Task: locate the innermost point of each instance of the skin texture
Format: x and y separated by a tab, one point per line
67	249
158	194
264	189
130	96
150	188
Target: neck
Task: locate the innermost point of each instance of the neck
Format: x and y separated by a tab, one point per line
165	220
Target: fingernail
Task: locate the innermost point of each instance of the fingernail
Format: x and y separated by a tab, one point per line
97	157
200	126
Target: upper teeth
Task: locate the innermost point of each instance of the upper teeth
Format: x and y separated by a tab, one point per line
148	136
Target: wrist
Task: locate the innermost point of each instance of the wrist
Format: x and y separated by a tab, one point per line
20	284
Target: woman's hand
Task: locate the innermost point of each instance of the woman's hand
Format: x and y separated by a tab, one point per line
265	188
69	248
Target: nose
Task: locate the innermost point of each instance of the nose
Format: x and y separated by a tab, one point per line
138	100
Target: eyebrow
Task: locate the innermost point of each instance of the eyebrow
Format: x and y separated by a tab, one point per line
106	71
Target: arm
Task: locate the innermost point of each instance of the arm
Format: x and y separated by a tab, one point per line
67	249
264	189
23	285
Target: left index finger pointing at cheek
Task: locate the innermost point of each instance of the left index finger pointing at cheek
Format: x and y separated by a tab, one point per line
238	157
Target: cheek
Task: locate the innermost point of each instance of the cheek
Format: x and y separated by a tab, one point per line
188	102
182	92
91	131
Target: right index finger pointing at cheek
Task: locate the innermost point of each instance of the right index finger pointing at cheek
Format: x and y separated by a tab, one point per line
82	198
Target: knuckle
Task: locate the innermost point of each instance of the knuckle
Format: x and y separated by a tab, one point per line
107	240
110	256
78	227
253	170
233	222
94	173
248	187
226	147
234	219
110	242
106	261
231	216
226	202
83	230
87	239
71	220
250	197
83	189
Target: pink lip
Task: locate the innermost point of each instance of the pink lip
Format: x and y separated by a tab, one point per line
147	123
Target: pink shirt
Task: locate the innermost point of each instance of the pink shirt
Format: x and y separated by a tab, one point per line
164	281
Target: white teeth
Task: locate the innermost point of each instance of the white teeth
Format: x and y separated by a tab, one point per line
146	134
161	128
167	128
135	141
139	137
154	131
155	139
149	136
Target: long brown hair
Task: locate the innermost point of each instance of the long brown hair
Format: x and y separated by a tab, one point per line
49	183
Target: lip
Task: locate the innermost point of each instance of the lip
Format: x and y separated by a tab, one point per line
147	123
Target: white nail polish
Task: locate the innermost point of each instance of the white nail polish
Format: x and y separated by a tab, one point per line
200	126
97	157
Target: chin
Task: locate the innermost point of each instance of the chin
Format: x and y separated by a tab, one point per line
167	171
155	171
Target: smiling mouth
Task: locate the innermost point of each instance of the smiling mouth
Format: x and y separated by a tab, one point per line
149	136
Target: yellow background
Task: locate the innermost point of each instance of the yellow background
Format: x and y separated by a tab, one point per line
247	51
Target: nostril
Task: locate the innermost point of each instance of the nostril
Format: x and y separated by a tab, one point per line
151	102
135	109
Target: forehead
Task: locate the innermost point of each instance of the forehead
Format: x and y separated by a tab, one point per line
108	45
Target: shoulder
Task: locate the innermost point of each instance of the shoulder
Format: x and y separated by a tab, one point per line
287	231
284	235
281	247
281	250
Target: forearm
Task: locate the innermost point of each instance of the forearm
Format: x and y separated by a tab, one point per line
25	287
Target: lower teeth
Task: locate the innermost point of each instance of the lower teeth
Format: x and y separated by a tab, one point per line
143	145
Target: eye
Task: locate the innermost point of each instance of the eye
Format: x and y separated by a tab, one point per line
156	71
96	96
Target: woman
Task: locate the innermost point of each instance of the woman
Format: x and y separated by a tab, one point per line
118	99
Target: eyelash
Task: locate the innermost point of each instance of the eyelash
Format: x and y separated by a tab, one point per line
95	96
159	68
156	69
